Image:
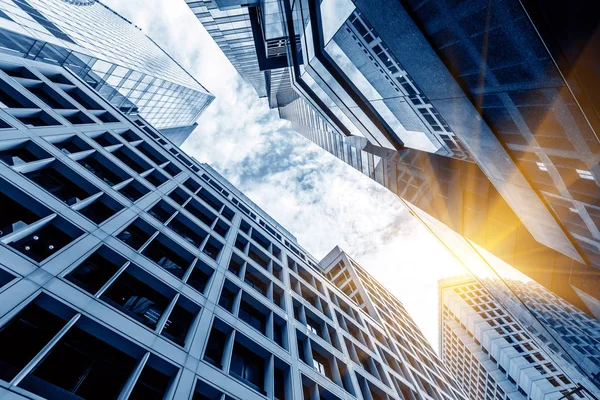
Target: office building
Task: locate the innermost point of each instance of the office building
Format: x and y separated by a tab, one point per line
495	356
232	31
130	270
565	329
178	134
483	115
107	51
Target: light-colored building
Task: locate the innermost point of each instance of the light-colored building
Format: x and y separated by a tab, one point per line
493	355
129	270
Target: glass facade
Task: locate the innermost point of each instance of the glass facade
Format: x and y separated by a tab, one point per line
402	83
231	30
306	121
109	53
179	134
481	117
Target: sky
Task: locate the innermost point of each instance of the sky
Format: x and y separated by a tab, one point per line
315	196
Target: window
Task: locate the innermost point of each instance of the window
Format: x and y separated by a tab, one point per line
49	96
227	298
221	227
212	248
82	98
192	185
22	153
101	209
321	364
553	381
96	270
24	336
61	182
215	346
105	139
204	391
200	276
162	211
170	256
131	159
279	332
320	367
313	326
156	178
188	230
254	279
139	295
136	234
258	256
179	321
154	155
253	316
198	210
235	264
248	367
154	381
134	191
47	240
210	199
19	210
280	382
103	169
79	364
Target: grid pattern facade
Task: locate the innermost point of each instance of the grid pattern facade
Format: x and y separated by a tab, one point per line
232	32
399	329
107	51
492	355
123	257
577	333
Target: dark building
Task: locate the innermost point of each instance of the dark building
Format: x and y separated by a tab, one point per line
482	114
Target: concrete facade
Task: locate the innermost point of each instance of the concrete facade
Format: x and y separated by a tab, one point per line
129	270
494	355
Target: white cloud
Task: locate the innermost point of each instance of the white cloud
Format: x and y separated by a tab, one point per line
321	200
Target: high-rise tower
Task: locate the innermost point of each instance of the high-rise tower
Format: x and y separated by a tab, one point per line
107	51
494	355
130	270
483	115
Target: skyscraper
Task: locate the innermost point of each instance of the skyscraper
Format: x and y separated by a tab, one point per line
130	270
110	53
178	134
494	356
484	116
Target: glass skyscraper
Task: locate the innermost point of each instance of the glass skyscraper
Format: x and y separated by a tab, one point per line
128	270
483	116
110	53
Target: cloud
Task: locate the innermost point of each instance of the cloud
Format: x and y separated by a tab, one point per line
318	198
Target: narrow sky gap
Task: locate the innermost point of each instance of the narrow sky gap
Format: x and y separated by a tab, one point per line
321	200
